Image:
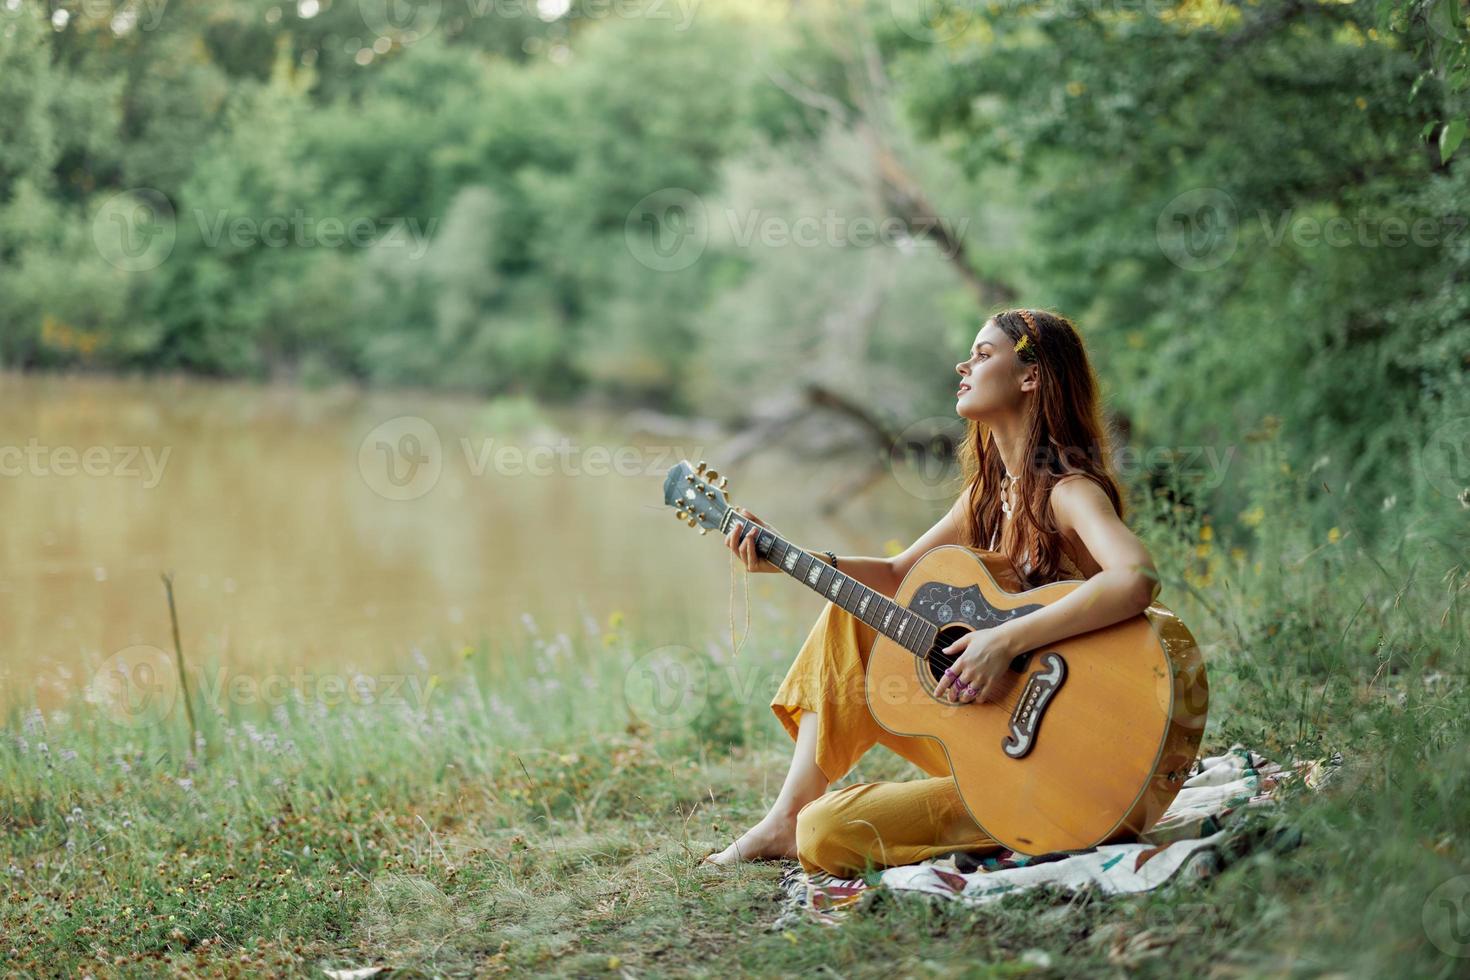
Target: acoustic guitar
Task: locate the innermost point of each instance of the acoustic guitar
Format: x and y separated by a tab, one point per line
1090	738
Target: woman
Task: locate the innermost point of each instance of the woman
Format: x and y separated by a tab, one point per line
1038	490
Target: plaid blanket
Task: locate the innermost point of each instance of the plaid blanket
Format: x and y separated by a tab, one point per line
1199	833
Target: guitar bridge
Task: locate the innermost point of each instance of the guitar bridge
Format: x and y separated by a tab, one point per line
1040	688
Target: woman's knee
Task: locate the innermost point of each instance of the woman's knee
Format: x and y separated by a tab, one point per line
820	842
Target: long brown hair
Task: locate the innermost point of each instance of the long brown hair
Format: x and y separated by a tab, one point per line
1065	435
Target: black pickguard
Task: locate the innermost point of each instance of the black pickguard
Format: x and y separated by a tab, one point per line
956	611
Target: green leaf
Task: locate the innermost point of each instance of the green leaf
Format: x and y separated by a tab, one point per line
1449	139
1428	128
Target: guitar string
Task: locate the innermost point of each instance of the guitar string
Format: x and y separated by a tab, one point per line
1008	701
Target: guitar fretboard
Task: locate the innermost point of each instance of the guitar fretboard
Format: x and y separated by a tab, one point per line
913	632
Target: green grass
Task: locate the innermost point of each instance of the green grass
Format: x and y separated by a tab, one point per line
498	826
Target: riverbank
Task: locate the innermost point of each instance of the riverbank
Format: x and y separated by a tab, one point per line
532	817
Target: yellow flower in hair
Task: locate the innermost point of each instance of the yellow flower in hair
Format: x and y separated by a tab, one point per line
1022	343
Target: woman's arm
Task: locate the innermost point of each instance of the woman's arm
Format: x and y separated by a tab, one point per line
1126	585
1124	588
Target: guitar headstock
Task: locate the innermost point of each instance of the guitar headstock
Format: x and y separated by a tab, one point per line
695	496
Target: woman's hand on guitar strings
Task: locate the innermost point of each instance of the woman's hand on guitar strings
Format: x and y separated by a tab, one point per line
986	657
743	543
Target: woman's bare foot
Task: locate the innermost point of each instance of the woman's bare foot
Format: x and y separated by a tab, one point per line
773	837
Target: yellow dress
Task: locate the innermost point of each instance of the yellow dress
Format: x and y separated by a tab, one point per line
885	823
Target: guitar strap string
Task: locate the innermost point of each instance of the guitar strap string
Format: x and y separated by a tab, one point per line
734	649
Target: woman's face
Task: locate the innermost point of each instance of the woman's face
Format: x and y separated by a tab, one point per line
993	381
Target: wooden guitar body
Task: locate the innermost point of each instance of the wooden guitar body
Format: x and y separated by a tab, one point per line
1092	737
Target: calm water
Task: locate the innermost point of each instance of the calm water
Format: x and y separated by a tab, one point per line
345	530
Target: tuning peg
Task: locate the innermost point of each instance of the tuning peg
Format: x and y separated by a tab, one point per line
703	531
700	468
680	514
724	483
692	522
712	475
709	493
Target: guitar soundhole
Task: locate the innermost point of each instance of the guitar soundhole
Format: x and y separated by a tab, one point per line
939	661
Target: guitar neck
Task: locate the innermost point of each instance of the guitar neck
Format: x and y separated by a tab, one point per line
911	631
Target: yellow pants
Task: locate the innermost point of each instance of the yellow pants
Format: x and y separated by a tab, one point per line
883	824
